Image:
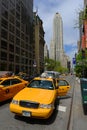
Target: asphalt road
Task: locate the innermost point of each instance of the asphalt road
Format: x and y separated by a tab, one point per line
58	121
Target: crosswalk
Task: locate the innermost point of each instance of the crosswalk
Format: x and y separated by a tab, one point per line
62	108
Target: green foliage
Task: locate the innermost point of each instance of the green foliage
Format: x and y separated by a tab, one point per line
81	64
53	65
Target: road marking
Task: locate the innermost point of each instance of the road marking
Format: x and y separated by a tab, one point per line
62	108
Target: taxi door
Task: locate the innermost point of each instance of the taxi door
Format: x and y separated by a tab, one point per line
63	87
17	85
5	90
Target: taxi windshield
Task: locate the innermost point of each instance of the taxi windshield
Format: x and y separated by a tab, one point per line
43	84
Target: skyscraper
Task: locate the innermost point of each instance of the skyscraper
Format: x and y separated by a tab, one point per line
56	46
16	49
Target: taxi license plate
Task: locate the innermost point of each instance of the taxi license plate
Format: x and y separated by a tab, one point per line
26	113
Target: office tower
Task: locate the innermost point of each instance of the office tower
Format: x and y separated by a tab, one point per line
16	48
56	46
46	51
38	38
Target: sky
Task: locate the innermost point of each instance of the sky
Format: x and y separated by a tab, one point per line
69	11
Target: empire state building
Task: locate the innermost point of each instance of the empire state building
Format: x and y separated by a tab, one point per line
56	45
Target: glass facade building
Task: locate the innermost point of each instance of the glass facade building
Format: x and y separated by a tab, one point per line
16	46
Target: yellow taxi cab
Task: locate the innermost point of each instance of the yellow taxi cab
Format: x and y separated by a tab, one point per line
37	99
9	86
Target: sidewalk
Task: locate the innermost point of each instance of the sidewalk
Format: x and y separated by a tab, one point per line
78	119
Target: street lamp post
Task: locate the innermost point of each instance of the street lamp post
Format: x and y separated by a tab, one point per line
34	66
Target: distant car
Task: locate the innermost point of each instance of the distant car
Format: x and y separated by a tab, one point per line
24	76
6	73
37	99
51	74
9	86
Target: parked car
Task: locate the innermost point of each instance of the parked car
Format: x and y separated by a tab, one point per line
9	86
37	99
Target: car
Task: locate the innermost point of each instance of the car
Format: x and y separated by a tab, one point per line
52	74
9	86
24	76
37	100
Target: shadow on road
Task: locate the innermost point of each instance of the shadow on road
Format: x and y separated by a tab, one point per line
5	102
48	121
64	97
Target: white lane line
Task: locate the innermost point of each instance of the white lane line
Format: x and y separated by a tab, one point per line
62	108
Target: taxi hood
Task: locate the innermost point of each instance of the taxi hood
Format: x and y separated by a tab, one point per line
37	95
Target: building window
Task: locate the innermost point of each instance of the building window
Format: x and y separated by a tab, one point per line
5	3
17	15
17	41
17	50
12	2
4	23
11	28
22	44
17	59
11	57
11	19
18	7
17	33
3	44
11	38
3	55
26	39
4	12
17	24
4	34
11	67
22	36
11	48
22	27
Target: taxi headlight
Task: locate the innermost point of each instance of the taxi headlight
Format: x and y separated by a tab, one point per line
14	101
47	106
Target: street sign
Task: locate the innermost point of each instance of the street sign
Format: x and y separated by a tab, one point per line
74	61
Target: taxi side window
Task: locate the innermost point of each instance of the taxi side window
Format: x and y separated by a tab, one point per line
62	83
6	83
15	81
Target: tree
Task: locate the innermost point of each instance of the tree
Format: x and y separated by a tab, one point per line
81	64
53	65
